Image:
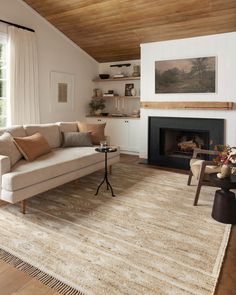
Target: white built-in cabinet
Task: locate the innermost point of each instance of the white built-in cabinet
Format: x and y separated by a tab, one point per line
123	132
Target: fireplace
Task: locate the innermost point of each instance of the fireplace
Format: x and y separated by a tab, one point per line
171	141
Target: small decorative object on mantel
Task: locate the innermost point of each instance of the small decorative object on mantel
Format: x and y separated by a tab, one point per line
227	160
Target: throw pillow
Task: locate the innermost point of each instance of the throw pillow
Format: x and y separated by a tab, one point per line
9	149
32	146
72	139
97	131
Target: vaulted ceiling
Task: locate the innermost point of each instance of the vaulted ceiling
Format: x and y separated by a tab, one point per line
112	30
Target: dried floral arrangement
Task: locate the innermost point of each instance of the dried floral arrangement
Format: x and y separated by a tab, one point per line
226	156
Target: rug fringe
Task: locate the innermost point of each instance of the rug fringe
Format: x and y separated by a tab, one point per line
41	276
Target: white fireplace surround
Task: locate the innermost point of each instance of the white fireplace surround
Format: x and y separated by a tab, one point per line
223	46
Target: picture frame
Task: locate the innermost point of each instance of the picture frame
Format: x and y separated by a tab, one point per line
62	91
188	75
128	88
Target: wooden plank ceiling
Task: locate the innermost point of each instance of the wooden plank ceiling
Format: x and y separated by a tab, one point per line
112	30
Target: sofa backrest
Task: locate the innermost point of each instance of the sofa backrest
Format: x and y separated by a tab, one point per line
51	132
68	126
16	131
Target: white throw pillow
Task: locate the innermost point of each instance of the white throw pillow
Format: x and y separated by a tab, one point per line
9	149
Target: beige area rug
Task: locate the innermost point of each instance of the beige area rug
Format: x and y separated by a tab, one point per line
148	240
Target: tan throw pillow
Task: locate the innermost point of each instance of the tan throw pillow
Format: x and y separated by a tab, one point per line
9	149
32	146
97	131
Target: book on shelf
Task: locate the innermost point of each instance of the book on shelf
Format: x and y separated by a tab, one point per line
109	94
118	76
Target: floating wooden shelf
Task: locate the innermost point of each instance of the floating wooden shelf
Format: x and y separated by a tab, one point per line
198	105
116	79
114	117
116	96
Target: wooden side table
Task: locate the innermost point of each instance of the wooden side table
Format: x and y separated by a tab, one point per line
105	150
224	207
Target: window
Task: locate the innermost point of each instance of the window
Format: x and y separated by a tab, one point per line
3	81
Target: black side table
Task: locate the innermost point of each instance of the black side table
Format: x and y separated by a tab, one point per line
105	150
224	207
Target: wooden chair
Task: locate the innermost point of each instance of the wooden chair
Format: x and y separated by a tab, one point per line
201	170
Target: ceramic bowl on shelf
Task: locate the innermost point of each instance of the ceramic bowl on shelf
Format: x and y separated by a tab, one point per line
104	114
104	76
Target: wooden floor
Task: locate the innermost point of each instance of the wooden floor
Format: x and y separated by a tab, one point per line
15	282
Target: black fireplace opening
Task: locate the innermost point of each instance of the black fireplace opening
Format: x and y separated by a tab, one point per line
181	142
171	141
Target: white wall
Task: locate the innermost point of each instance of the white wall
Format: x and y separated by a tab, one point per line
56	53
223	46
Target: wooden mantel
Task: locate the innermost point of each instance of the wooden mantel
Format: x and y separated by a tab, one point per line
194	105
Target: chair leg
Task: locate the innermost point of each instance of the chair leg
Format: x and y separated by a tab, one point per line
23	206
199	185
197	194
190	177
110	169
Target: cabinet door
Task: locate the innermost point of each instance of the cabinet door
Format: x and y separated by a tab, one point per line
118	132
133	135
99	121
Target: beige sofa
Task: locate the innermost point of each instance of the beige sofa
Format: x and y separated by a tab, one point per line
26	179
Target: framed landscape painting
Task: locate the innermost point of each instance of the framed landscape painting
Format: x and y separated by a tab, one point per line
190	75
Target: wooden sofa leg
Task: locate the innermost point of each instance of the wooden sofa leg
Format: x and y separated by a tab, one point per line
23	206
190	177
110	169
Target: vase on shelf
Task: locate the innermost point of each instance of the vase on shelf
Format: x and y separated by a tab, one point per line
136	72
133	92
225	171
98	112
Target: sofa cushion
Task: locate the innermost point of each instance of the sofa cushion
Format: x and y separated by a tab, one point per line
97	131
58	162
17	131
50	132
68	126
9	149
73	139
32	146
195	165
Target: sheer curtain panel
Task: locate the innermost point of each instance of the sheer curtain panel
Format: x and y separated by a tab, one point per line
23	76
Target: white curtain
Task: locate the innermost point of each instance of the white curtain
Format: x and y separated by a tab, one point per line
23	77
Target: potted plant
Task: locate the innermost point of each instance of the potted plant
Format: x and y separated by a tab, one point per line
96	106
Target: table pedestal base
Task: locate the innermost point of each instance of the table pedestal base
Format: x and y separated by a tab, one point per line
108	185
224	207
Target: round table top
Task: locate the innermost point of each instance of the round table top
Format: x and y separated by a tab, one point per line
224	183
107	149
